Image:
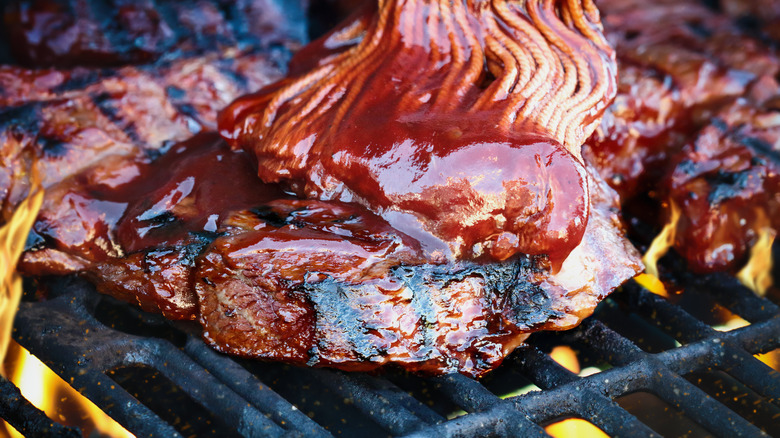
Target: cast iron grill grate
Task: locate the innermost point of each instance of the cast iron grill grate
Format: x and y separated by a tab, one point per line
643	344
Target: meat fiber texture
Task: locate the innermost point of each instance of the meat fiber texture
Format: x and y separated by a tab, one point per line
267	275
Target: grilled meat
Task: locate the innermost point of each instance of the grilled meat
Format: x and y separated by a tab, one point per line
300	281
726	183
86	136
99	33
154	224
681	65
159	221
357	299
89	131
326	283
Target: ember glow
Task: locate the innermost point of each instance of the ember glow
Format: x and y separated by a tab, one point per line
772	359
757	274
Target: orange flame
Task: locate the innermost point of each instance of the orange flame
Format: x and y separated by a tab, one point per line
660	246
566	357
49	393
772	359
757	274
12	238
39	384
652	283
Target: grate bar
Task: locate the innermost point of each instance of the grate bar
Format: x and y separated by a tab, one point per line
501	420
699	406
611	418
671	319
761	337
80	344
83	349
590	405
123	407
380	409
468	394
572	399
26	418
208	391
610	345
542	370
251	389
63	351
729	292
396	395
753	373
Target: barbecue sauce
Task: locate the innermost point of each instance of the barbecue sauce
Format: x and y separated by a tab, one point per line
421	115
189	189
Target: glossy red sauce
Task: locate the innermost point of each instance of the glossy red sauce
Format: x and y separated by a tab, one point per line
481	191
454	182
406	144
187	190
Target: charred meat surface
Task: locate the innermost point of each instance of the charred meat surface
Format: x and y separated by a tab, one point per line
103	135
258	299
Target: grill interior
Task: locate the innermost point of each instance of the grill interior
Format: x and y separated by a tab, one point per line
660	369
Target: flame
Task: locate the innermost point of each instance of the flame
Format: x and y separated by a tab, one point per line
49	393
574	427
566	357
12	238
652	283
772	359
660	246
38	384
757	274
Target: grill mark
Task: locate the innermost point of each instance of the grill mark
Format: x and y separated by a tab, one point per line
227	68
422	304
23	119
82	79
336	314
266	214
105	103
52	147
760	147
34	241
175	92
207	41
727	185
713	5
